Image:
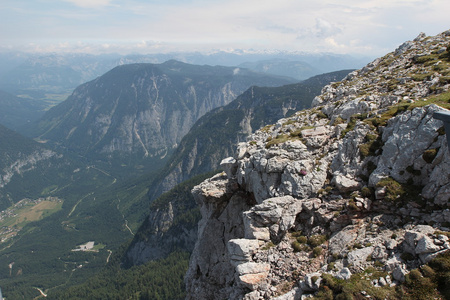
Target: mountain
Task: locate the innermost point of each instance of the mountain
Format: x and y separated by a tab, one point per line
346	200
15	112
134	116
51	78
295	69
216	134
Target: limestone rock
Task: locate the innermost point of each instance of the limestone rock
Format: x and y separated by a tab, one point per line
344	274
359	256
229	166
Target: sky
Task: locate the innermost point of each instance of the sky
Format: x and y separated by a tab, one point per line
373	27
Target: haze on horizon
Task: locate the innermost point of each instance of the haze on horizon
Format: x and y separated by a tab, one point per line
372	27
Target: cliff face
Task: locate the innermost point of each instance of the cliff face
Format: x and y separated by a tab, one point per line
360	181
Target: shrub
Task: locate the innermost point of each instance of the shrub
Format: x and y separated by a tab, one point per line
331	266
366	192
322	115
316	240
423	288
302	239
297	246
317	251
394	189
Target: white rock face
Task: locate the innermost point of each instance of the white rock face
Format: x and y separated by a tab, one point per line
312	189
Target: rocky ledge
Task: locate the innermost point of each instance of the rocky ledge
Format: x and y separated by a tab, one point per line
356	187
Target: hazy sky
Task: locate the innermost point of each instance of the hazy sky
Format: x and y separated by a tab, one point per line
372	27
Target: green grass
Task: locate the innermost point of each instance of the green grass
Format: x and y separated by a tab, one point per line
279	139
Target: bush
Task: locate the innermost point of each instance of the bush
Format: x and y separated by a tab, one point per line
316	240
317	251
394	189
366	192
302	239
299	247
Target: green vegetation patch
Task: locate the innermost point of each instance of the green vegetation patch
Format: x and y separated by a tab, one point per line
333	288
442	100
400	192
372	143
30	212
279	139
316	240
160	279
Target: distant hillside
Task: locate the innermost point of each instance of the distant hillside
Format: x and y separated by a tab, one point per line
133	117
51	78
15	111
296	69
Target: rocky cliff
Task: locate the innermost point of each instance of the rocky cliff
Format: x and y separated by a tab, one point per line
355	188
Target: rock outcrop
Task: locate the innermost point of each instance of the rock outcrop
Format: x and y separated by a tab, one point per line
361	180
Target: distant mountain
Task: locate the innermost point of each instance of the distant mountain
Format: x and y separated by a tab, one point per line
135	115
16	111
296	69
215	135
52	77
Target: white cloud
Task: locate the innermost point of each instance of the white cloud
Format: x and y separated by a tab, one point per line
324	25
90	3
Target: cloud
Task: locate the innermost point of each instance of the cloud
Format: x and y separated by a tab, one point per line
90	3
325	25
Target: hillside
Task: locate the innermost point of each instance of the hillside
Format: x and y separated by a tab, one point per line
133	117
346	199
16	112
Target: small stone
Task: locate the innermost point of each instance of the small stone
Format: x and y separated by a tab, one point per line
426	245
345	184
380	193
344	274
399	273
390	244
